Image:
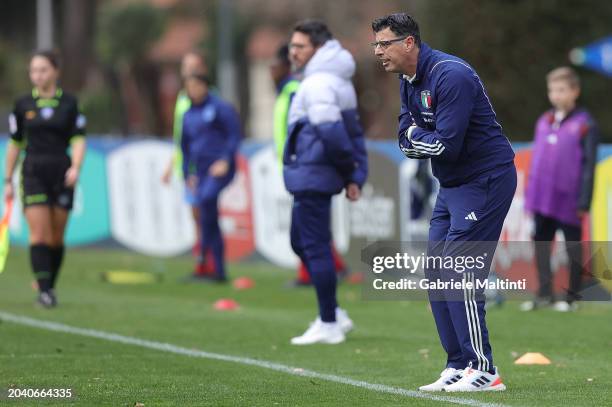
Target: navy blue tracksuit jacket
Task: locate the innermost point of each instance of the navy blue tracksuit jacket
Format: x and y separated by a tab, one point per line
457	125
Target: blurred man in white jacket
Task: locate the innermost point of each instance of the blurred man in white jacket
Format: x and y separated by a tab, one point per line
324	154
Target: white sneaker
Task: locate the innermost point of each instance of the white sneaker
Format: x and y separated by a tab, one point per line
346	324
320	332
476	380
448	376
528	306
564	306
536	304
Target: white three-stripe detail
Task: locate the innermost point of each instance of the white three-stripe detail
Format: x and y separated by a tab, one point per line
437	144
411	153
479	331
437	149
468	314
471	310
429	148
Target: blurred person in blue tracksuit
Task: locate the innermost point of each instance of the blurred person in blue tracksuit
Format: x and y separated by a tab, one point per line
324	154
192	63
210	138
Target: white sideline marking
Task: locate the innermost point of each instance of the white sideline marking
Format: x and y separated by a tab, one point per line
166	347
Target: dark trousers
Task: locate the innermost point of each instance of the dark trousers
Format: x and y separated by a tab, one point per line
311	241
467	220
545	229
209	189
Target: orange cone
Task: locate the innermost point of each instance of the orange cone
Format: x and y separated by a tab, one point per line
226	304
244	283
532	358
355	278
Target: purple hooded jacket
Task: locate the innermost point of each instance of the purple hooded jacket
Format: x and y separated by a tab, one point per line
563	160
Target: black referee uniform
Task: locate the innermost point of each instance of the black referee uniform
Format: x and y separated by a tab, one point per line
44	128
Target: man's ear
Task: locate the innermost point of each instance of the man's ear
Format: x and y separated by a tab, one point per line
409	43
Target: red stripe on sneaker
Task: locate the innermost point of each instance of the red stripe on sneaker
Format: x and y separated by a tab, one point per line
496	382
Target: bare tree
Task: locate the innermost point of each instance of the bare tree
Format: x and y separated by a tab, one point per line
77	31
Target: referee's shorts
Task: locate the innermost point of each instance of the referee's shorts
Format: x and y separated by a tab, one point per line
43	181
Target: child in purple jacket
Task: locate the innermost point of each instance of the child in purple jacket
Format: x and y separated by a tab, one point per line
560	184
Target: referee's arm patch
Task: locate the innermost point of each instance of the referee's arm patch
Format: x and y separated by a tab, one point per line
12	119
81	121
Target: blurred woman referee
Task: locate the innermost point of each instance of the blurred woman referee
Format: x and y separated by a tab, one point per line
45	123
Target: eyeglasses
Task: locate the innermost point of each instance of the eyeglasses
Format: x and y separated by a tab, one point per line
297	46
387	43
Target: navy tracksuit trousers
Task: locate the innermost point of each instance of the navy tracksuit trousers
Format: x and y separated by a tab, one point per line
208	191
311	241
472	213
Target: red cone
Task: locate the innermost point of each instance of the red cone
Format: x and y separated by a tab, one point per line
226	304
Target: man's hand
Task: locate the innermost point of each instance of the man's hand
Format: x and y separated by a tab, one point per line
192	182
406	144
353	192
411	129
167	175
219	168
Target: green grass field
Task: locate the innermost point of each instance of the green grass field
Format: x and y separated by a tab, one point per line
394	343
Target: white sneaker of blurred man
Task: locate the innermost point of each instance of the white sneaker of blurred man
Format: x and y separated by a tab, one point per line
326	332
476	380
448	376
564	306
346	324
320	332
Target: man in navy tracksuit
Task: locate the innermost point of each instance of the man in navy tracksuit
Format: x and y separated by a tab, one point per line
324	154
446	116
210	139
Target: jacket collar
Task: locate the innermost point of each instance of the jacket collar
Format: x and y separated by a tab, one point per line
204	102
551	114
58	93
422	65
